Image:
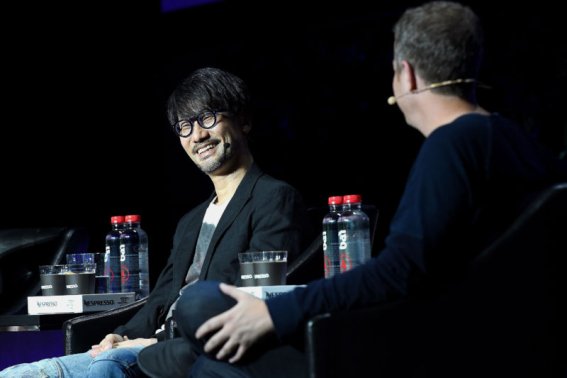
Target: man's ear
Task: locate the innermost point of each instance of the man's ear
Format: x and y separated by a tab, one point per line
408	77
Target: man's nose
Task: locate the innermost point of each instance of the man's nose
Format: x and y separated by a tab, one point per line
199	133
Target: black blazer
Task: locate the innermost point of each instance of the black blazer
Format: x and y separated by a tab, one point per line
263	214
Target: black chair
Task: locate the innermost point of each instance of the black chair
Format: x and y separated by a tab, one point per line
82	332
22	251
505	319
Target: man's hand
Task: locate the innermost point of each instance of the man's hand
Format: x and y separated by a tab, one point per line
106	344
237	329
134	343
112	340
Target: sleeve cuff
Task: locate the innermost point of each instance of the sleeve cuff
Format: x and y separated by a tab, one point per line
285	313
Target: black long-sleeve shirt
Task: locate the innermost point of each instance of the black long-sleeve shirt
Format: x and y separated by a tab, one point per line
470	180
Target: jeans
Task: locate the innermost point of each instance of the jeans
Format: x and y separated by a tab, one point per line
119	362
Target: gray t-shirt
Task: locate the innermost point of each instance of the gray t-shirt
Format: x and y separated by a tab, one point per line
210	221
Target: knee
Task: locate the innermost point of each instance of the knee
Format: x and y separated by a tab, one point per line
103	368
198	296
113	363
199	302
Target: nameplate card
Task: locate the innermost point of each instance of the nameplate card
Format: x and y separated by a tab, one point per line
266	292
64	304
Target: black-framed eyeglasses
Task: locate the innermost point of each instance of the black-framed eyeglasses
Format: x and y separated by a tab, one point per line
207	120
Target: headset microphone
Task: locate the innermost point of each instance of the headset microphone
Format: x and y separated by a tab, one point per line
393	99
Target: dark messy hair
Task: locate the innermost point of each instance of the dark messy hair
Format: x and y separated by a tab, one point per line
209	89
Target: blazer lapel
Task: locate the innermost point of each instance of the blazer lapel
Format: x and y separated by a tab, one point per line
188	243
240	198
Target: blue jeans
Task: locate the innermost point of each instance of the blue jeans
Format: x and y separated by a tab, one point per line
119	362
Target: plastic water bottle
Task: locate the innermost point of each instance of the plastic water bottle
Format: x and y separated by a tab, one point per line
354	233
143	255
134	258
112	253
129	260
332	263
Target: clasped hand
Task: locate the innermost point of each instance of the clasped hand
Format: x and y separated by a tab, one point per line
113	340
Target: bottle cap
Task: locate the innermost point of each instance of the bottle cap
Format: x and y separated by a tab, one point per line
116	219
132	218
335	200
352	198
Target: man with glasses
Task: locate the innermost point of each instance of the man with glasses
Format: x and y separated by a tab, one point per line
248	211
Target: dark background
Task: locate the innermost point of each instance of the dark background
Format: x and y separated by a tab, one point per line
84	135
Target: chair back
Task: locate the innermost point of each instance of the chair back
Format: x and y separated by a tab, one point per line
22	251
506	317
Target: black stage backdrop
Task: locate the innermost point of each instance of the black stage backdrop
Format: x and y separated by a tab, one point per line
84	134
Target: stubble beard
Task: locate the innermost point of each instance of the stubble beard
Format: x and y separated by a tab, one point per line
215	163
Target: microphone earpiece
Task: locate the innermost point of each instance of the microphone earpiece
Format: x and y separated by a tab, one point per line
393	99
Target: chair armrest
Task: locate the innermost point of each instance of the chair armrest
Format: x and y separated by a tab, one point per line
82	332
